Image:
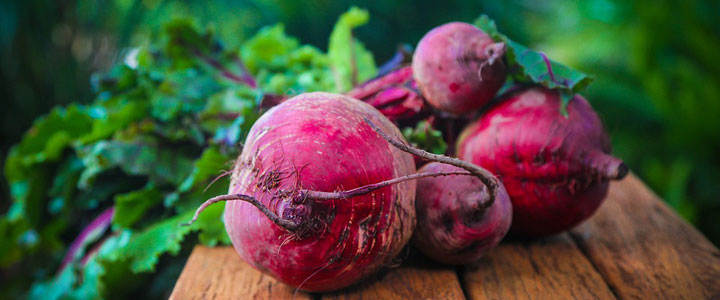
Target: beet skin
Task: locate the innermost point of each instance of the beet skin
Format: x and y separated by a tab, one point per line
458	67
454	226
556	169
319	141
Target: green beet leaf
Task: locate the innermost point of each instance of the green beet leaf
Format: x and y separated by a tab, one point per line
351	63
131	207
426	137
531	66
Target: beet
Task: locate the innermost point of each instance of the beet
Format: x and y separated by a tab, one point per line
556	169
319	142
458	67
453	224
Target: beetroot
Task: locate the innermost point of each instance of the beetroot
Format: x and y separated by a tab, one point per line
555	168
458	67
453	224
319	141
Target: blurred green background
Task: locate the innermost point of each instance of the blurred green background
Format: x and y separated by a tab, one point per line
656	65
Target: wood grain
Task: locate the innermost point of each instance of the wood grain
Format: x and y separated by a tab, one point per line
415	281
550	268
645	251
634	247
219	273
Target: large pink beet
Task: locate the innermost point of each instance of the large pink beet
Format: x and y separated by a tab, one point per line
320	142
458	67
454	225
556	169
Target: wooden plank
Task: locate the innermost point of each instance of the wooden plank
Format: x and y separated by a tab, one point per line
646	251
634	247
549	268
219	273
411	281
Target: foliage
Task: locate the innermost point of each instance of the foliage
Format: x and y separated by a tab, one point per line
163	126
350	61
426	137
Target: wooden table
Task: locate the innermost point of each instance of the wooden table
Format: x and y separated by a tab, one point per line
635	247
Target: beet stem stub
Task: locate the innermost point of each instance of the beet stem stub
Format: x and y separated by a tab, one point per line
286	224
494	52
485	176
608	166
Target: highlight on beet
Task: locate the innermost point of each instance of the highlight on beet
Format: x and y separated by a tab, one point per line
458	67
555	168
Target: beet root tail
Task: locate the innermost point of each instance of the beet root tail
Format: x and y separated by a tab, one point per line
608	166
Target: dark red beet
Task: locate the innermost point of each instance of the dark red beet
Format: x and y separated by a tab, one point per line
454	227
458	67
556	169
319	141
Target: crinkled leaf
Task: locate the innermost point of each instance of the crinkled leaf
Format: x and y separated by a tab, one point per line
196	189
424	136
539	69
49	136
536	67
487	25
210	223
229	101
142	156
117	266
185	41
103	274
130	207
208	166
145	248
351	63
190	200
230	114
188	47
44	142
230	135
282	66
109	119
268	49
182	93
